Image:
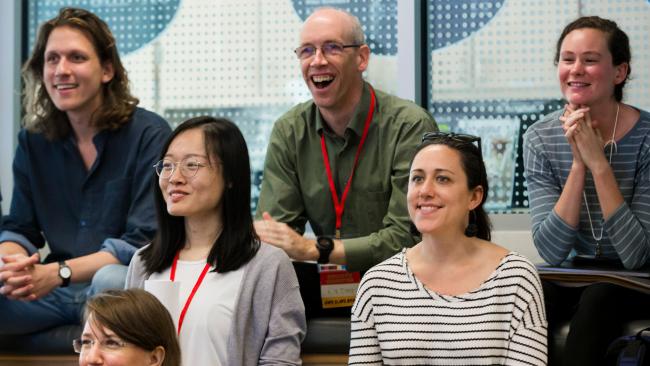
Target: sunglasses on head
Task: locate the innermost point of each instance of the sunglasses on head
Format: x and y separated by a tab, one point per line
452	136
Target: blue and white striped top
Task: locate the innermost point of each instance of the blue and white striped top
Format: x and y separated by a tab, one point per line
547	161
396	320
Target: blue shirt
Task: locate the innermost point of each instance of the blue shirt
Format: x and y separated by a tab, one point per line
77	211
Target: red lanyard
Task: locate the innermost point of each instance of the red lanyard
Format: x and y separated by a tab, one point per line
172	275
339	205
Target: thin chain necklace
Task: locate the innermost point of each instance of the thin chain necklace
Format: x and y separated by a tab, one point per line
613	147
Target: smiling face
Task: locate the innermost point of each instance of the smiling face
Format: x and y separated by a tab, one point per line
438	198
585	69
108	349
73	74
334	81
197	196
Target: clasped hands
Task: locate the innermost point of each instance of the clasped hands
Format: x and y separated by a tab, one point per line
583	136
284	237
23	277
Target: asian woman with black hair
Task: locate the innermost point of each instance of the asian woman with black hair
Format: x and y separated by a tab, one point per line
239	302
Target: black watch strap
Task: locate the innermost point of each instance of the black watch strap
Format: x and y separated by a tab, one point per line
325	245
65	273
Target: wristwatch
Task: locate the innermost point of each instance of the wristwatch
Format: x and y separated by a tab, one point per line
325	245
65	273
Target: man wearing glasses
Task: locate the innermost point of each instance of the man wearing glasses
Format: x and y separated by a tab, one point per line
339	161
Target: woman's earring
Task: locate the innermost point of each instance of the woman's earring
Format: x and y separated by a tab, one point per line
472	228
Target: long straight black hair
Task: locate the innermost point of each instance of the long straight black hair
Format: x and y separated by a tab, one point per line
238	242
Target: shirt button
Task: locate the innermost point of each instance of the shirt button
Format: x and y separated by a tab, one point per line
83	223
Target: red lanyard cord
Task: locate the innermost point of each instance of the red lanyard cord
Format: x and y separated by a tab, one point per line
339	205
172	276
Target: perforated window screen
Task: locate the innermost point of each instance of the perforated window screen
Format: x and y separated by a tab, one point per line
229	58
490	63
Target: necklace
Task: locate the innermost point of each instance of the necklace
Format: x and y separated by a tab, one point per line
612	147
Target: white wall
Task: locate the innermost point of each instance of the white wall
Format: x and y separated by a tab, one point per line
9	92
513	232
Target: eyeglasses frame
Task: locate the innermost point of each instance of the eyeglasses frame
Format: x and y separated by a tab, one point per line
343	46
78	346
175	164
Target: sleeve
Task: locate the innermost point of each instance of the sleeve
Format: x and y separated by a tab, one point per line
553	238
280	194
629	227
364	252
364	343
528	342
135	275
21	225
141	220
287	324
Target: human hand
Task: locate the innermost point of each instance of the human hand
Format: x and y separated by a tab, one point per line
572	115
16	276
45	278
590	144
284	237
586	138
569	124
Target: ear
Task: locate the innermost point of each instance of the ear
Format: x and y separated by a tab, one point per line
621	73
363	57
157	356
476	198
107	72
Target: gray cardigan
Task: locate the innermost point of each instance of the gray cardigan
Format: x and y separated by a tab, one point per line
268	323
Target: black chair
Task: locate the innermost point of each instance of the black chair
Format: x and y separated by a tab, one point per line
327	335
558	338
55	341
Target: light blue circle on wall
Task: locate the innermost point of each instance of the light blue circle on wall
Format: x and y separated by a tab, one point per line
450	21
378	19
134	23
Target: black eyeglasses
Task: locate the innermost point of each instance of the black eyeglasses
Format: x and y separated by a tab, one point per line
460	137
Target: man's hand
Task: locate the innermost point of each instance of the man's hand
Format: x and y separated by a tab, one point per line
282	236
16	276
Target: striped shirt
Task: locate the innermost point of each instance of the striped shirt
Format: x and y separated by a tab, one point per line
396	320
625	235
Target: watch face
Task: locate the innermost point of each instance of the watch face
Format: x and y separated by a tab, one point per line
325	243
65	272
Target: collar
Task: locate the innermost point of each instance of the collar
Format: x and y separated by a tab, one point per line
358	120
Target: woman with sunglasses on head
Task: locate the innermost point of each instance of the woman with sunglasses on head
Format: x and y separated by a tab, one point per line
588	173
239	302
127	328
455	297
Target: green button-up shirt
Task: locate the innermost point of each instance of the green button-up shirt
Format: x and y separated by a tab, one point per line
295	188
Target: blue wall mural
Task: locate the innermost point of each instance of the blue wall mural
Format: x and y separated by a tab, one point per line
133	23
378	18
454	20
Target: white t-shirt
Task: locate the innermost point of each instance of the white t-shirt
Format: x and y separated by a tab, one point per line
206	327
